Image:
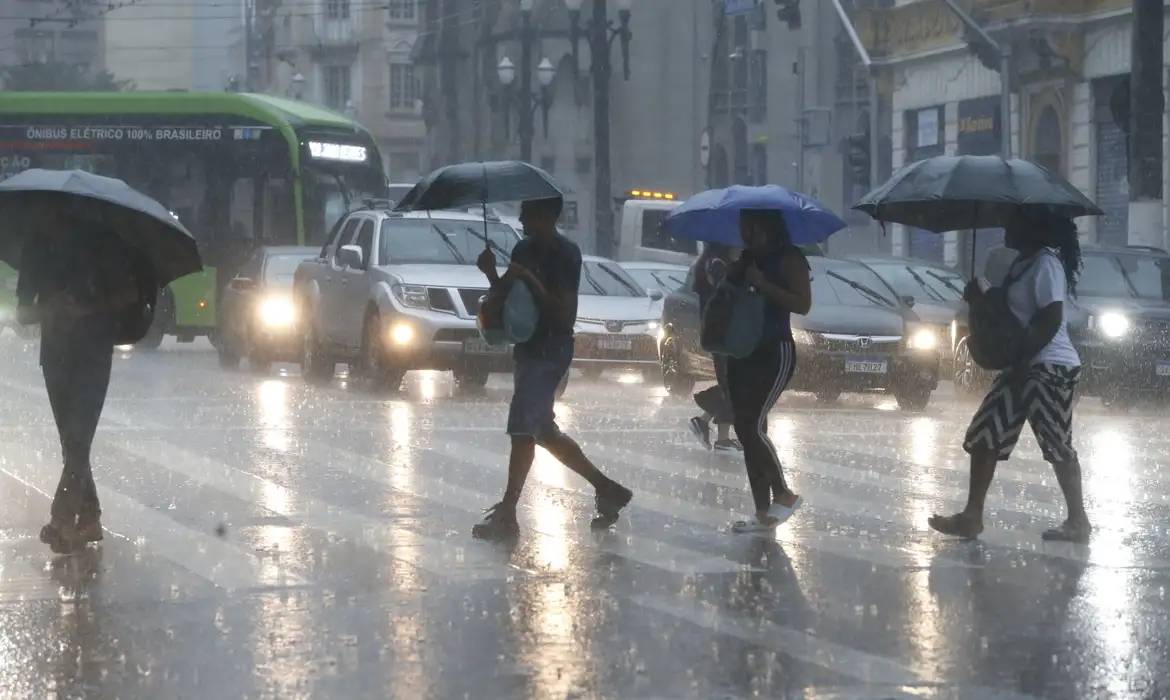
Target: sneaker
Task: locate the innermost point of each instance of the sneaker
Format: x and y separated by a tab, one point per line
62	538
729	446
499	523
701	429
90	530
611	501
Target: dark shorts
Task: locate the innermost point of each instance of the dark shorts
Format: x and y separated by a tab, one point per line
537	374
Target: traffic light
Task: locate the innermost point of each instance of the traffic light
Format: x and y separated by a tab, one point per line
857	154
788	12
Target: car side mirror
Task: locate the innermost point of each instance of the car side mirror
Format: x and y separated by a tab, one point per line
908	300
243	284
656	295
350	256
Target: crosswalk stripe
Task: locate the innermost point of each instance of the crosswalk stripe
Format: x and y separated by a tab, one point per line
203	554
438	557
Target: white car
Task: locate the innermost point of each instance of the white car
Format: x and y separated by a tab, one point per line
664	277
618	321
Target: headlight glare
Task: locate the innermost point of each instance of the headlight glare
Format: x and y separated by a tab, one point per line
1113	325
278	312
401	334
412	295
923	339
802	337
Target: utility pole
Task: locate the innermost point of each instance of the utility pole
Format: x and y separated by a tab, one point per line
998	57
602	69
1145	125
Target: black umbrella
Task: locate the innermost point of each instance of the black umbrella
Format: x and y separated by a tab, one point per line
104	202
466	184
948	193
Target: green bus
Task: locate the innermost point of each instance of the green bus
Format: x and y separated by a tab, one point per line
239	170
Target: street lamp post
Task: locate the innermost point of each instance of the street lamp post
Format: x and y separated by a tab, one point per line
526	101
601	33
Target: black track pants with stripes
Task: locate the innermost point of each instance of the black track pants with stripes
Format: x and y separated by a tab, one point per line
754	384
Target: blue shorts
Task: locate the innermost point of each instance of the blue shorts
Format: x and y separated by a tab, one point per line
537	374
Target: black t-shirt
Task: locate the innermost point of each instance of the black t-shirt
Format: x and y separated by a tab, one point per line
557	264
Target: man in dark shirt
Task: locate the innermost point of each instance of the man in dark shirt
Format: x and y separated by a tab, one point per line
75	286
550	265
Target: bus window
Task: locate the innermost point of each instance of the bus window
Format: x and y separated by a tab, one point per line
325	202
242	209
279	225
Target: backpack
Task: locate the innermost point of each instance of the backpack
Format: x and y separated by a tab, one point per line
133	322
510	318
996	334
733	321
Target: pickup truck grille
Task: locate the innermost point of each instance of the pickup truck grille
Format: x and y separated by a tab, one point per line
455	335
470	299
440	299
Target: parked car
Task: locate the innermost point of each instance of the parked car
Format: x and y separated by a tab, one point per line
393	292
860	336
933	291
258	317
618	321
654	276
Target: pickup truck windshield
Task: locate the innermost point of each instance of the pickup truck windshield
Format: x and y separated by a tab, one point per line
442	241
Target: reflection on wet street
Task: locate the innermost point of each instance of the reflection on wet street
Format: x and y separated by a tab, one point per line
271	539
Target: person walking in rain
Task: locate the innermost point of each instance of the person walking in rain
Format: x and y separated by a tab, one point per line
75	285
711	267
780	273
1040	387
550	265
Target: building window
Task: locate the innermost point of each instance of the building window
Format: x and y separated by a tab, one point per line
337	9
404	88
337	87
35	46
403	9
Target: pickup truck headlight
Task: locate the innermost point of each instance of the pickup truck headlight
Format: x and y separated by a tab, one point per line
923	339
278	312
1113	325
412	295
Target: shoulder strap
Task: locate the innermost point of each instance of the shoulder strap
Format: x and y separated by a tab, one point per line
1023	269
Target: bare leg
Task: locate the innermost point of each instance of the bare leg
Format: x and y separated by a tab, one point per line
569	453
724	431
1076	528
519	464
969	523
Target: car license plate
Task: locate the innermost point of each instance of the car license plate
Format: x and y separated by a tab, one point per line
615	343
866	365
1163	369
480	347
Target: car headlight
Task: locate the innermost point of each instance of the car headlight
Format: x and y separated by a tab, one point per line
803	337
923	339
401	334
278	312
412	295
1113	325
653	325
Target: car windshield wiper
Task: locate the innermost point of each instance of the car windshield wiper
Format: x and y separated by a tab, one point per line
945	281
592	282
873	296
447	239
922	283
490	243
634	291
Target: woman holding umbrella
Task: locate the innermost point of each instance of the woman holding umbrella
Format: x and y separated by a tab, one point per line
769	222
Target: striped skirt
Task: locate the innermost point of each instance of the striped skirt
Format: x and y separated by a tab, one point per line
1043	398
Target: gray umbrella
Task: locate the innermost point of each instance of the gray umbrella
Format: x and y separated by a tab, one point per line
948	193
466	184
104	202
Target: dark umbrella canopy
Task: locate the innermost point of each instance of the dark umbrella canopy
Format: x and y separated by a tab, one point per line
949	193
466	184
104	203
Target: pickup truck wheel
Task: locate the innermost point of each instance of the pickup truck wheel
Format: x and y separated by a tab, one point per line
677	383
258	360
913	399
228	359
316	365
377	373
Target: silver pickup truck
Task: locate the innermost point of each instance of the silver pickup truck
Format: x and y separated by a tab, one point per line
393	292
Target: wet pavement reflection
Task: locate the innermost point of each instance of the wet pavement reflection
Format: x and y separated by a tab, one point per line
266	538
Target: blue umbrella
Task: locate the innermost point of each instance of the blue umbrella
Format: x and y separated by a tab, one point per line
713	216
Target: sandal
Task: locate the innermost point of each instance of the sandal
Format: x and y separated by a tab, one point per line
958	525
1068	531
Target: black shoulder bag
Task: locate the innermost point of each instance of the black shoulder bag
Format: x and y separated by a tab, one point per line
996	334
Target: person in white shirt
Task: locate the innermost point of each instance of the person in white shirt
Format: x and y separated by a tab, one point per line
1040	387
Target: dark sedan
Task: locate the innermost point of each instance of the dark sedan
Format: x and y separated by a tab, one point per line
933	291
258	318
860	336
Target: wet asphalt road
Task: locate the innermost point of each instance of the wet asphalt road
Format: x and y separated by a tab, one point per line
269	539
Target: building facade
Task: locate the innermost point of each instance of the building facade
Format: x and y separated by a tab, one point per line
351	56
1068	83
59	32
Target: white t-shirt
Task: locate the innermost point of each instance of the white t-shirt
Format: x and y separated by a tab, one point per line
1043	283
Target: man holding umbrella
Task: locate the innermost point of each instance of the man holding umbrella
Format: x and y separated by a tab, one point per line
550	264
89	288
